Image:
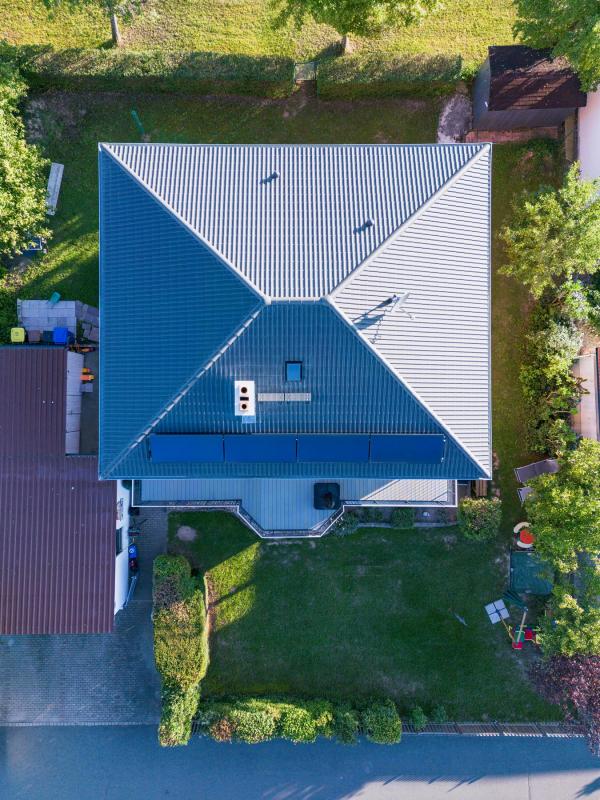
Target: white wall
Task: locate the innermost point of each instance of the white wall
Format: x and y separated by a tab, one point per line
589	136
122	560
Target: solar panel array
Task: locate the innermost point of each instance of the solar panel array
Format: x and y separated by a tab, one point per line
301	448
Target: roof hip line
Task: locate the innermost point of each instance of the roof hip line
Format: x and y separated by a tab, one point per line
484	148
143	185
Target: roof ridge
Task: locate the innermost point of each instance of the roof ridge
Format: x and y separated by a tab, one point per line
482	148
406	385
105	148
181	393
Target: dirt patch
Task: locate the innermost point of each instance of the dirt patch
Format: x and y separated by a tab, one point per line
186	534
455	119
54	114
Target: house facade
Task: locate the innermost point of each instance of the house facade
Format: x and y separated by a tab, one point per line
289	331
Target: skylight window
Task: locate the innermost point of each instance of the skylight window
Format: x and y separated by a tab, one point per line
293	371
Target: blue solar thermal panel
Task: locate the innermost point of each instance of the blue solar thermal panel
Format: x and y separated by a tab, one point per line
409	448
333	448
255	447
186	447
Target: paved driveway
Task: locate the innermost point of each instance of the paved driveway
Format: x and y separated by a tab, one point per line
100	679
128	764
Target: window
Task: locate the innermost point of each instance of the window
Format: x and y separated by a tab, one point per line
293	370
119	541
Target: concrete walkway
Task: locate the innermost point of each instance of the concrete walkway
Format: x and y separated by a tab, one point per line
105	679
127	764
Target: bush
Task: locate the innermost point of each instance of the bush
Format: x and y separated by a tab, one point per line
418	718
80	69
345	724
439	715
297	724
351	77
371	514
550	389
381	723
403	518
252	720
180	636
479	518
178	710
348	524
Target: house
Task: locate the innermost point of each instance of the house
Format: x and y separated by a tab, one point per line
589	136
519	87
288	331
586	420
63	569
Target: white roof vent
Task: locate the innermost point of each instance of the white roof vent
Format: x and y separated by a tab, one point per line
245	399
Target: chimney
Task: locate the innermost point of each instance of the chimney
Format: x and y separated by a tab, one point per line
245	399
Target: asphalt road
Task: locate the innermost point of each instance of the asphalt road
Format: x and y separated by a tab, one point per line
103	763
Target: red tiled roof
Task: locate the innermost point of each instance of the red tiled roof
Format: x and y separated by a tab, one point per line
523	78
57	538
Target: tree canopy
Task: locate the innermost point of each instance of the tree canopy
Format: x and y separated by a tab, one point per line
573	628
570	27
361	17
23	172
554	234
564	508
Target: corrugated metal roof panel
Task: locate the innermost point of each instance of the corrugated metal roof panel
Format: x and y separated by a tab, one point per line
168	305
57	538
299	234
437	338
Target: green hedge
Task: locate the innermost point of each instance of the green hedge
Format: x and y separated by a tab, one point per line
185	72
479	518
260	719
352	77
180	645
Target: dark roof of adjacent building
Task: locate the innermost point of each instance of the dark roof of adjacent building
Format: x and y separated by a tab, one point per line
240	258
524	78
57	538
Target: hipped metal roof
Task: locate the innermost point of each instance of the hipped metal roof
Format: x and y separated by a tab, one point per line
222	262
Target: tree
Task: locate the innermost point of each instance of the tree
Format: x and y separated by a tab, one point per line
571	629
564	508
573	684
361	17
23	173
116	9
570	27
554	234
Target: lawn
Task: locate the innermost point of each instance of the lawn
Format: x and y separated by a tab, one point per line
348	617
464	27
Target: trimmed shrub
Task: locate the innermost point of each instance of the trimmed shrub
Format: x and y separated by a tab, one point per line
81	69
418	718
345	724
178	710
381	723
180	636
439	715
297	724
403	518
479	518
351	77
253	720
